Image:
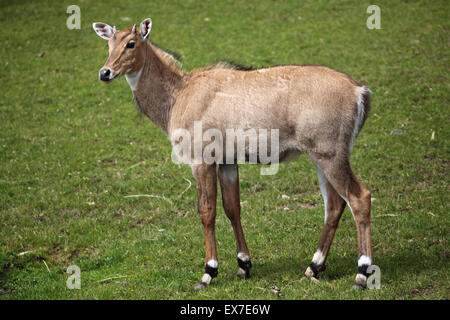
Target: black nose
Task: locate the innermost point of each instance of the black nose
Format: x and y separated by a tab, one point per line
104	74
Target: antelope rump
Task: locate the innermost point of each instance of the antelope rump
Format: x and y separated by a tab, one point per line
316	110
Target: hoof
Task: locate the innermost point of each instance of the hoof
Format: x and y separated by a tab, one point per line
201	285
309	274
243	274
245	265
360	282
204	282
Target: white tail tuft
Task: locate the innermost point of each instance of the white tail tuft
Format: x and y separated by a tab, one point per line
362	109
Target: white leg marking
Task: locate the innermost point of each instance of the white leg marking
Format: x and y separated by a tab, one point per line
213	263
323	188
241	272
318	258
359	115
206	278
133	79
361	279
243	256
364	260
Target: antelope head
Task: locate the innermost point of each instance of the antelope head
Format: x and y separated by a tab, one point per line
126	49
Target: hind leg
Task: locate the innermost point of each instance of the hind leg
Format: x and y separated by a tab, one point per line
357	197
334	206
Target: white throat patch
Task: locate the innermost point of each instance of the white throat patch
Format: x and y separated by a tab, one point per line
133	79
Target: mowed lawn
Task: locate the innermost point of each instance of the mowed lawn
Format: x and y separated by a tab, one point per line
72	149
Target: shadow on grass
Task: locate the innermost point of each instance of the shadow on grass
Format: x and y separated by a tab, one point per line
402	265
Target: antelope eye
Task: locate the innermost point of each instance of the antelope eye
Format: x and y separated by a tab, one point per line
130	45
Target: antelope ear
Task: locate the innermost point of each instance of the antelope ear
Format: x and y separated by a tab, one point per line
145	28
103	30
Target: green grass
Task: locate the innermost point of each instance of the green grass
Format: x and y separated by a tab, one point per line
71	148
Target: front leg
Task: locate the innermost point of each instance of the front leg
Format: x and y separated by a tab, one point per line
206	178
229	183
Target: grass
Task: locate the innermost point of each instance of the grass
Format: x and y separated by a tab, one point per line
72	148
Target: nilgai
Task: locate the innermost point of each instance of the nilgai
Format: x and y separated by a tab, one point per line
314	109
